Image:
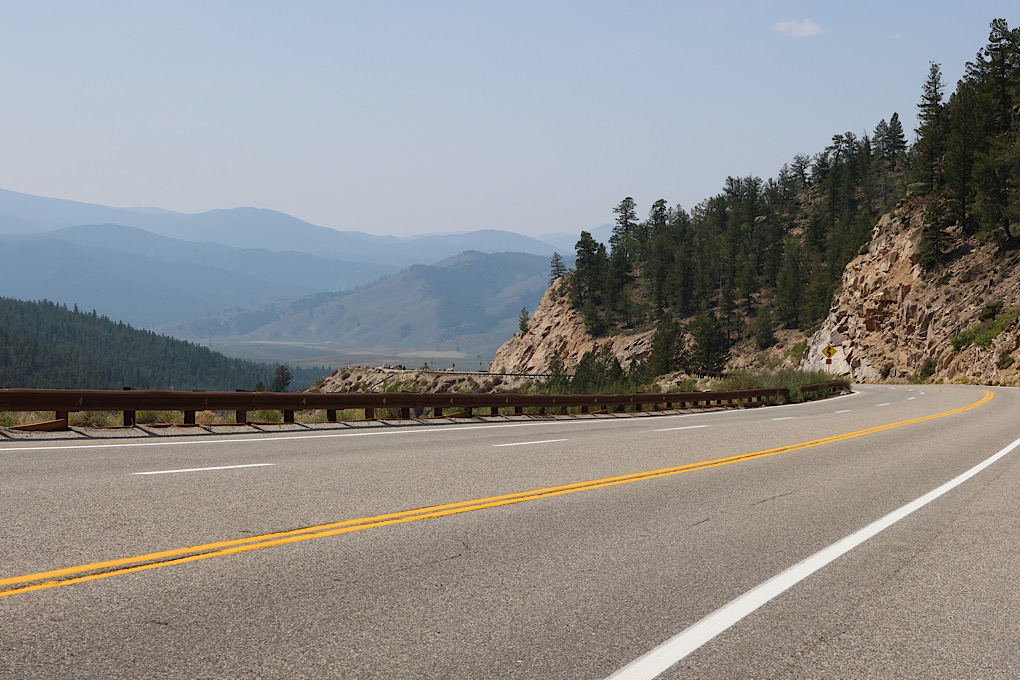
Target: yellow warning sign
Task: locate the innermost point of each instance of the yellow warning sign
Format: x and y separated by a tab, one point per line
829	351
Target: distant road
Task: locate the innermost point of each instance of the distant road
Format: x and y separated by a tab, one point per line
645	546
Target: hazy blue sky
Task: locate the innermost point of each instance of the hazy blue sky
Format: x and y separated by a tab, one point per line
409	117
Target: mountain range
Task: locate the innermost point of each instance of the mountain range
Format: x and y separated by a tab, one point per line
468	304
269	230
212	274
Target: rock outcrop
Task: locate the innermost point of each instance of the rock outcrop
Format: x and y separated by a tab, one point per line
557	327
891	321
372	379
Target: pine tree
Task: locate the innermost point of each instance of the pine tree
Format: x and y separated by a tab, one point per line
935	242
556	268
281	378
790	287
881	136
962	142
762	330
624	233
558	381
669	349
588	282
931	132
710	349
896	141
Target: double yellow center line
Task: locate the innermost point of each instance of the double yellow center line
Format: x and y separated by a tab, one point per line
127	565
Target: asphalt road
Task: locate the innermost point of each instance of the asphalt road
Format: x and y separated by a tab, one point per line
493	550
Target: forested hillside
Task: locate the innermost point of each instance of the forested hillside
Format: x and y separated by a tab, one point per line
769	250
45	345
767	254
966	162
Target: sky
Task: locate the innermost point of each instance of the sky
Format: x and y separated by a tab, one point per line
402	118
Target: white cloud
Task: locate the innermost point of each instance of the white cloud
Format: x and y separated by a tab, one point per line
798	29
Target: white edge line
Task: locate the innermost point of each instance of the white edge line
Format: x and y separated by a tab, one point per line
686	427
221	467
784	418
687	641
544	441
846	410
884	404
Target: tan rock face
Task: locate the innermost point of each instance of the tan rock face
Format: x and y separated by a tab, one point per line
370	379
556	327
890	316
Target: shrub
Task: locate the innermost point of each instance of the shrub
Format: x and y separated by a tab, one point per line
93	419
159	417
990	311
792	380
988	327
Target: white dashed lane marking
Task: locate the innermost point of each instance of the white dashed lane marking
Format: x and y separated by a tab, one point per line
221	467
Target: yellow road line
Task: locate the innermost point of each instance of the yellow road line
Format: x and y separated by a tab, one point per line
127	565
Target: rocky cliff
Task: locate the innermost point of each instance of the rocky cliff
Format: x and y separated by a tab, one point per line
893	322
557	327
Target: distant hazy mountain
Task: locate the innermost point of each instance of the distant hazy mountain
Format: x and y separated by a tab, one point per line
297	273
258	228
471	302
141	290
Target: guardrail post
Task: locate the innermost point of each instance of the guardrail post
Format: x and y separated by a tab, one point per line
437	412
405	412
518	410
189	417
331	415
494	411
584	409
241	416
288	416
129	416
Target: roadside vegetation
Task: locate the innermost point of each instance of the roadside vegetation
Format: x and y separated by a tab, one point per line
992	320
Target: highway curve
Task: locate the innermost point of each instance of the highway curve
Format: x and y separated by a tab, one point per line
873	535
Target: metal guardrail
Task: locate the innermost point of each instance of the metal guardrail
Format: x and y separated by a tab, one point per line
63	402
